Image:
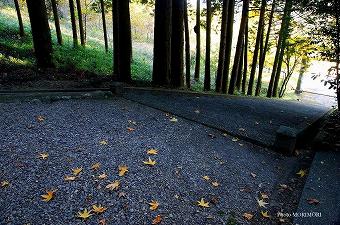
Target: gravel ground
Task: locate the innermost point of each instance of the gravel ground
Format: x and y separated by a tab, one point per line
71	132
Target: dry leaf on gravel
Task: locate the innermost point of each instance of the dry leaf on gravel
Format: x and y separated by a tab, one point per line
98	209
248	216
153	205
77	171
150	162
313	201
203	204
262	203
152	151
301	173
70	178
113	186
84	214
123	170
95	166
4	183
157	220
48	196
265	214
43	155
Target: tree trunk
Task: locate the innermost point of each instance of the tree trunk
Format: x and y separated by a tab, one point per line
115	25
56	21
274	80
40	32
240	68
177	44
301	73
245	63
102	6
21	26
162	43
337	51
223	43
230	28
80	20
124	41
264	51
257	46
197	30
74	25
187	45
207	77
238	52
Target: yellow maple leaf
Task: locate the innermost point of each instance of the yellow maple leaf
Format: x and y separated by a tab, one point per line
265	214
203	204
301	173
248	216
153	205
215	184
70	178
113	186
102	176
84	214
103	142
95	166
48	196
150	162
77	171
152	151
98	209
157	220
43	155
4	183
206	177
123	170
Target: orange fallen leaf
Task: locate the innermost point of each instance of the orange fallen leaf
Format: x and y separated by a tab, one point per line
95	166
152	151
130	129
157	220
77	171
102	222
150	162
98	209
123	170
153	205
113	186
84	214
248	216
48	196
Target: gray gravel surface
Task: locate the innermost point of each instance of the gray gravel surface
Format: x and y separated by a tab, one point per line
71	133
255	118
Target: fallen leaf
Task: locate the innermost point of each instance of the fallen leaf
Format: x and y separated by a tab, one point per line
150	162
132	122
206	177
235	139
248	216
212	136
95	166
98	209
264	196
313	201
153	205
103	142
197	111
113	186
102	222
48	196
152	151
265	214
203	204
122	170
242	129
262	203
215	184
43	155
157	220
246	189
240	144
301	173
70	178
174	120
253	175
130	129
283	186
4	183
40	119
102	176
84	214
121	194
77	171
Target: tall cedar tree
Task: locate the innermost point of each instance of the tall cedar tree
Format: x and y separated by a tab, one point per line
124	45
102	6
40	32
187	45
21	26
264	50
223	43
115	39
257	47
56	21
177	44
245	59
74	25
281	45
207	77
238	51
230	28
240	68
162	43
197	30
81	26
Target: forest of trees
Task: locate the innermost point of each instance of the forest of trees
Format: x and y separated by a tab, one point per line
236	72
